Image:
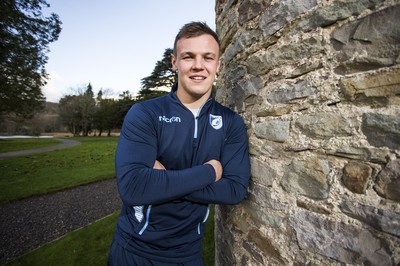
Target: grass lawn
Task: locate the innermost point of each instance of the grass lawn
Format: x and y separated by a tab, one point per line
208	241
90	246
93	160
18	144
87	246
26	176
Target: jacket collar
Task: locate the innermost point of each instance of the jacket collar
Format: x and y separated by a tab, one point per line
175	98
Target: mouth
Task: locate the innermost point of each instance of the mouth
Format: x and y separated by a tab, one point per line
197	78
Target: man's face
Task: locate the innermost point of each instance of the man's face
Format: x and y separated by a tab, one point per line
197	62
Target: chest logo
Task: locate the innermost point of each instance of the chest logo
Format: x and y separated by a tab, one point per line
216	121
173	119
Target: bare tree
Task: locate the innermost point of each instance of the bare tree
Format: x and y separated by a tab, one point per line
77	112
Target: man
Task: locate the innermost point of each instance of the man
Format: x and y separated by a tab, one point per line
176	155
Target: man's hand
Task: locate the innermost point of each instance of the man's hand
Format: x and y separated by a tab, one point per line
158	165
217	167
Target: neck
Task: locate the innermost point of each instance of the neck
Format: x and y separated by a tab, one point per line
192	102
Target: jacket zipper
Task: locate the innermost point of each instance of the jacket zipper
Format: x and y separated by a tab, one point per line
196	128
196	120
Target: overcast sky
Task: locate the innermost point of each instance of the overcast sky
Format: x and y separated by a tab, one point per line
114	44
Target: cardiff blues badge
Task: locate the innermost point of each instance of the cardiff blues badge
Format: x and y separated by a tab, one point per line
216	121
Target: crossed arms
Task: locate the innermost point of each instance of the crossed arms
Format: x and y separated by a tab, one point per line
142	180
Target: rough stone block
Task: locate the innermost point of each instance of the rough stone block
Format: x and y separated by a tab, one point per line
340	241
324	125
384	220
291	54
369	43
356	176
373	89
382	130
280	13
388	181
291	91
327	15
308	177
275	130
262	173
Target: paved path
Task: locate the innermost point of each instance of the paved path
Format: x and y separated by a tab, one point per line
65	143
31	223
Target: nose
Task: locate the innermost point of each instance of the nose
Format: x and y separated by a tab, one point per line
198	63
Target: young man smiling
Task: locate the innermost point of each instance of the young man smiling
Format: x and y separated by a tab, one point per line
197	61
176	155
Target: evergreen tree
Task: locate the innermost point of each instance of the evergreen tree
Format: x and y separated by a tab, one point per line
162	77
124	103
25	35
88	109
105	117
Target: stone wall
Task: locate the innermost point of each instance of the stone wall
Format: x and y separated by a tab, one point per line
318	84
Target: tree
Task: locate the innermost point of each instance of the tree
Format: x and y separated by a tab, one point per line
162	77
124	103
25	35
105	117
88	104
70	113
77	112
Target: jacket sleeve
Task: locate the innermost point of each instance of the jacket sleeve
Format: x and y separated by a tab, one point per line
138	183
232	187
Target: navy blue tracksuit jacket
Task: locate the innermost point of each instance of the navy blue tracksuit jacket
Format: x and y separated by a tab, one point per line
164	211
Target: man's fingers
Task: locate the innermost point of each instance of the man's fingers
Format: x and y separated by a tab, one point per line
158	165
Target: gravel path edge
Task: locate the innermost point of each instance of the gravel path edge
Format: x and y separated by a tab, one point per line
30	223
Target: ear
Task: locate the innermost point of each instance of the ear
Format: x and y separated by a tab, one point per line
173	62
219	65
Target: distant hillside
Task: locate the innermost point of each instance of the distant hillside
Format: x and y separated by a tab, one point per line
46	121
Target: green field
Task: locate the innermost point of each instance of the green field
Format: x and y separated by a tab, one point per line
18	144
26	176
87	246
93	160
